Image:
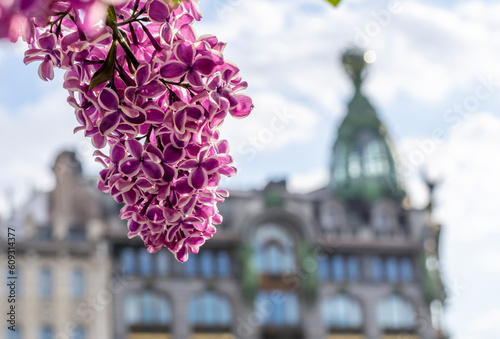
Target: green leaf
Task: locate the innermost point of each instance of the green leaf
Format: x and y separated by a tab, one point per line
107	70
334	2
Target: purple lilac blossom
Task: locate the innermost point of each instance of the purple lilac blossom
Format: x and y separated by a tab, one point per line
145	85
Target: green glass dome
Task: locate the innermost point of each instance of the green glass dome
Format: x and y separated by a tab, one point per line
363	166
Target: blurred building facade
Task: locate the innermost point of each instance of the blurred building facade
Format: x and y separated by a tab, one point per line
352	260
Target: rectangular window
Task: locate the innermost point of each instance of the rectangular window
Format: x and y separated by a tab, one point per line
353	268
223	264
127	258
376	269
323	271
338	268
145	262
45	284
162	263
77	284
391	269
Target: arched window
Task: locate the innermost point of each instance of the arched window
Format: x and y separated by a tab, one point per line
147	308
394	312
210	310
341	311
406	269
274	250
278	308
127	258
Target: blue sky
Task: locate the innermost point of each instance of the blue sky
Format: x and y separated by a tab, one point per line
431	58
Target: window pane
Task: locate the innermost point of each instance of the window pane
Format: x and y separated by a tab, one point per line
377	269
162	263
132	310
354	165
391	268
291	306
323	271
45	284
209	309
274	260
145	262
190	265
46	333
17	334
77	284
341	311
78	333
284	311
353	268
338	268
223	264
207	264
406	270
128	261
147	308
274	250
163	311
395	313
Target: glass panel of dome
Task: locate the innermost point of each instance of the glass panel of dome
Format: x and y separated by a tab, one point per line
339	170
375	159
354	165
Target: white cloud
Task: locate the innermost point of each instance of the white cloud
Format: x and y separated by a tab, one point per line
309	181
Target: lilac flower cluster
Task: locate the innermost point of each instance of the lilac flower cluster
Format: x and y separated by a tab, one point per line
147	88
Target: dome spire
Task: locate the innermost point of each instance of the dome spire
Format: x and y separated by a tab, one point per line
363	166
354	63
